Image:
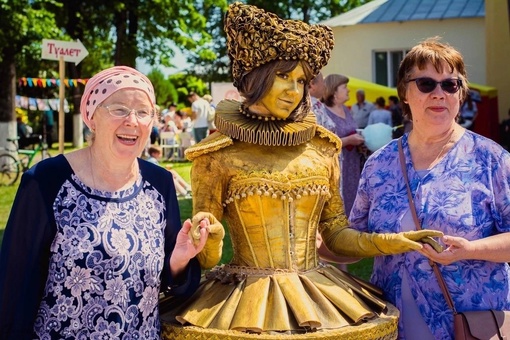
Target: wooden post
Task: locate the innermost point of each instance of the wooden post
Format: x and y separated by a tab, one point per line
61	96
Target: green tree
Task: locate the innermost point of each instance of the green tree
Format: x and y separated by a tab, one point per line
165	89
212	64
25	23
185	83
309	11
114	32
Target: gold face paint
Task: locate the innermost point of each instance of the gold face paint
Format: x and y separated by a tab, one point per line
284	96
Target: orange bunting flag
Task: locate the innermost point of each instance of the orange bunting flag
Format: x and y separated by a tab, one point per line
48	82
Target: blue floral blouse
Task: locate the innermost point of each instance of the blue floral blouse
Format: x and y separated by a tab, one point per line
466	194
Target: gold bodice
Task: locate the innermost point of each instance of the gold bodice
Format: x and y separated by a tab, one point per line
271	198
275	183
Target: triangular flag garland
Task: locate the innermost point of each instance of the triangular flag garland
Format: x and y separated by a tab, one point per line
43	82
40	104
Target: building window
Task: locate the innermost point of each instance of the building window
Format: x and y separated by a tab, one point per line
386	65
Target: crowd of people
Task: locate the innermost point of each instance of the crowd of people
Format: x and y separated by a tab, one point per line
288	171
187	125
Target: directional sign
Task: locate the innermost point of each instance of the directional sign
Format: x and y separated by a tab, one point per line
71	51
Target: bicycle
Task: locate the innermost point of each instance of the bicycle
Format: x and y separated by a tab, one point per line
11	167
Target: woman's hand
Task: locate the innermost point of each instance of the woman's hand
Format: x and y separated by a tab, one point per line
355	139
456	249
495	248
212	251
185	249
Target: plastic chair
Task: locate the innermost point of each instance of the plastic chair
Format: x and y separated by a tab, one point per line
169	144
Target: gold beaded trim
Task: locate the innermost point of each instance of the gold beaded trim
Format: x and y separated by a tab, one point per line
229	273
325	133
338	221
212	143
275	192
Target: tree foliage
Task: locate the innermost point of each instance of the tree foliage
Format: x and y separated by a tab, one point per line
166	92
122	31
217	69
25	24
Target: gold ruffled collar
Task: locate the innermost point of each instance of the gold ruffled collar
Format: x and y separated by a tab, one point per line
233	122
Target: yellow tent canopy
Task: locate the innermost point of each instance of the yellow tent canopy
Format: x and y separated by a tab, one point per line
487	91
372	91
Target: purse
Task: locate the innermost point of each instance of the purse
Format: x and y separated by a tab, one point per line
484	325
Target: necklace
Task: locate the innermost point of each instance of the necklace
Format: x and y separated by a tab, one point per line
91	169
450	140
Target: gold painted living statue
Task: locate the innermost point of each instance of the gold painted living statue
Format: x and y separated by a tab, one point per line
272	174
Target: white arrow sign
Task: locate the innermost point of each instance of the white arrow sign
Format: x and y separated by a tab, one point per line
71	51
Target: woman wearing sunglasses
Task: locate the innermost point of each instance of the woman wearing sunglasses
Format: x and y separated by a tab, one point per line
459	183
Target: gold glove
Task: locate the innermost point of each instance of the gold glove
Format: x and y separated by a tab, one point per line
351	242
211	254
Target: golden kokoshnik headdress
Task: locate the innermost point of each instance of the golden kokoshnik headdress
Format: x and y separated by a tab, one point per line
256	37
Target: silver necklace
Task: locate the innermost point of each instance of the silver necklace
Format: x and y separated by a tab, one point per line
450	140
92	169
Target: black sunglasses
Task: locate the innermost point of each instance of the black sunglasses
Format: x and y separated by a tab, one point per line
427	85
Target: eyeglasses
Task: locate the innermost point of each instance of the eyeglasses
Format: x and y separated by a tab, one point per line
427	85
120	111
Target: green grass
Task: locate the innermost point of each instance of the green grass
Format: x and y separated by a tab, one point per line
6	199
362	269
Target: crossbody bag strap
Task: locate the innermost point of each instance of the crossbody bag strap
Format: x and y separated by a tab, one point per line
439	276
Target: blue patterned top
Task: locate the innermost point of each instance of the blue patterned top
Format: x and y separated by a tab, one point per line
92	268
466	194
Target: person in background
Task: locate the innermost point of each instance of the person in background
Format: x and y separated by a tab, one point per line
49	122
272	174
468	112
156	127
342	124
397	117
460	184
184	126
211	114
181	186
361	109
380	114
103	237
316	90
169	111
200	109
505	132
23	129
26	137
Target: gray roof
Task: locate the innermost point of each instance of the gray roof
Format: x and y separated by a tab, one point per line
408	10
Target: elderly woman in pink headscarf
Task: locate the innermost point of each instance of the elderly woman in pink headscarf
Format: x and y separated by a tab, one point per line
95	235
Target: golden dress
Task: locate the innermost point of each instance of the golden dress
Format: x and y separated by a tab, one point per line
275	183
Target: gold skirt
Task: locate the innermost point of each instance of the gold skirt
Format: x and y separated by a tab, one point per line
250	303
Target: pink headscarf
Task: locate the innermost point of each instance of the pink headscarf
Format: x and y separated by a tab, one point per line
107	82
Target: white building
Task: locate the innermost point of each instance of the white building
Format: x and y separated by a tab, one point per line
371	40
